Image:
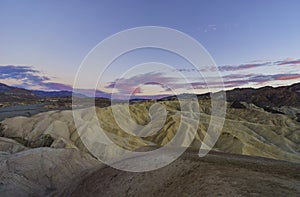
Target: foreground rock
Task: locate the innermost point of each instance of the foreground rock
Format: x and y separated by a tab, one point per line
42	171
217	174
9	146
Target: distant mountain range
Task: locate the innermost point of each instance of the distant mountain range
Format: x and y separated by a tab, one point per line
263	97
267	96
18	94
14	94
63	93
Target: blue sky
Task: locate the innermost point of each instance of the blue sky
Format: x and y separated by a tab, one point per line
51	38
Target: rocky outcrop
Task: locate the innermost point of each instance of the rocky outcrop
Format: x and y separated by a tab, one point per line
10	146
42	171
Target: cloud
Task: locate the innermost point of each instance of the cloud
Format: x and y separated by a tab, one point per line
259	79
260	60
57	86
288	62
243	66
237	76
253	64
29	78
225	67
129	85
21	73
288	77
137	90
257	63
210	28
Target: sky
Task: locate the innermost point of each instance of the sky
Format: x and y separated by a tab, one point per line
253	43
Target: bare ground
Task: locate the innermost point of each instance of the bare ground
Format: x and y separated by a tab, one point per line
217	174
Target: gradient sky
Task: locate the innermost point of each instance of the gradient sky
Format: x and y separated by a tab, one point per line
254	43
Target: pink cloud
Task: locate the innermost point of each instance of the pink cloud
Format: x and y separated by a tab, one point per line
243	66
287	62
57	86
137	90
288	77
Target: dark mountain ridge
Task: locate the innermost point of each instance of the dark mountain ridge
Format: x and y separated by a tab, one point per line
9	93
266	97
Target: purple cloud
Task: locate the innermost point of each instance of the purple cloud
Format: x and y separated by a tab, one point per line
57	86
288	62
243	66
259	79
30	77
225	67
21	73
129	85
254	64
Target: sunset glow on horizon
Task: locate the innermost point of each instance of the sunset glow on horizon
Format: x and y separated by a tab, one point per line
43	43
